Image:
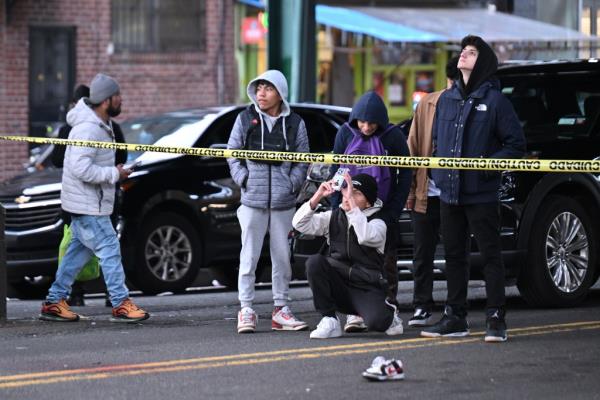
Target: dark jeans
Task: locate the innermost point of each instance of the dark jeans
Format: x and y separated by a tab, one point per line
426	236
331	293
483	220
390	258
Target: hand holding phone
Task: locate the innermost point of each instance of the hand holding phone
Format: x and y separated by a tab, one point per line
337	183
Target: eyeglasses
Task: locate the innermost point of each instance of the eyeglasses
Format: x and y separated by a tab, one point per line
469	52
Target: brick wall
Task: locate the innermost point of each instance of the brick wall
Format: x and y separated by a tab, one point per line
150	83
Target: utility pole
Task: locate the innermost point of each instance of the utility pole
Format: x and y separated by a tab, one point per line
292	45
3	274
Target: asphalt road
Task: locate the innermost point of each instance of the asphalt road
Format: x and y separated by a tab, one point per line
189	349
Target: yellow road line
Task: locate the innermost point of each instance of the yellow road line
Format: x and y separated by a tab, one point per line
50	377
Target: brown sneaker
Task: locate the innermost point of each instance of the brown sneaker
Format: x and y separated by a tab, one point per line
128	312
58	312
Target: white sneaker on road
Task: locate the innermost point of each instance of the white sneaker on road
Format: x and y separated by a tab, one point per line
329	327
283	320
247	320
354	323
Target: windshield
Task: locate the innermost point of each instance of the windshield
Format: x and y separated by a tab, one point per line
150	130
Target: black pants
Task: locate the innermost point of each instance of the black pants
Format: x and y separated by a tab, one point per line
331	293
483	220
426	236
390	258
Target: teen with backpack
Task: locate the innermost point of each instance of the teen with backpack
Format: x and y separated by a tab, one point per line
369	132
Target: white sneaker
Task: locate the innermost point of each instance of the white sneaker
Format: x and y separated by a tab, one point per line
247	320
355	323
284	320
396	327
329	327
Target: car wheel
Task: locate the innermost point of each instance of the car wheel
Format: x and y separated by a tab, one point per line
562	254
167	254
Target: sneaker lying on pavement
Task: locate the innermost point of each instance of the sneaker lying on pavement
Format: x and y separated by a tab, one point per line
450	325
384	370
282	319
420	318
495	328
247	320
127	311
355	323
58	312
329	327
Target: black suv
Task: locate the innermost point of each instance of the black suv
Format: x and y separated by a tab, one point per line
178	213
550	241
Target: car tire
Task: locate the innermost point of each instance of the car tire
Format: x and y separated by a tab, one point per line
168	254
562	254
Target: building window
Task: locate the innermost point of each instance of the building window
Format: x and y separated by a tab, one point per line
158	25
586	20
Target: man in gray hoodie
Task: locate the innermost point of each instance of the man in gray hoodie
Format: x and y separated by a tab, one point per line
88	195
269	191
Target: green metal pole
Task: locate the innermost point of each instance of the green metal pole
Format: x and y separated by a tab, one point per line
292	45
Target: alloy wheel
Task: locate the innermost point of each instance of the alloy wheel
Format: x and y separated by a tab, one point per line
567	252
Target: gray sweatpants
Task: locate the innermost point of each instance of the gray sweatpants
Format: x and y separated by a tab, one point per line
255	224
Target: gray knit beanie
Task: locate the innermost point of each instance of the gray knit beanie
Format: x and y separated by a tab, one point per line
102	88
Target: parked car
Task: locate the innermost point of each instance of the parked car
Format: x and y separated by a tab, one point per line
550	242
177	212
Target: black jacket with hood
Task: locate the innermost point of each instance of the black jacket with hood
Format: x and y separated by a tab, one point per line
475	121
371	108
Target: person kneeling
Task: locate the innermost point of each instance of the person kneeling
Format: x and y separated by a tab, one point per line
348	276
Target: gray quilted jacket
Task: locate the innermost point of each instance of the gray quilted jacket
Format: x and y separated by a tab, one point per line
89	174
265	185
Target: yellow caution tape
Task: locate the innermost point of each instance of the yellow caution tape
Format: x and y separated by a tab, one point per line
496	164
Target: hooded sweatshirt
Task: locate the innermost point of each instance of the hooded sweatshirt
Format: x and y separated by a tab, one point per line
475	121
485	66
370	107
269	185
89	174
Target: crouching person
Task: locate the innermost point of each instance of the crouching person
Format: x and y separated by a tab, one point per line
348	276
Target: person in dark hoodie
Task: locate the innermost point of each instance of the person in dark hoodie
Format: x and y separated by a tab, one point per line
473	120
369	123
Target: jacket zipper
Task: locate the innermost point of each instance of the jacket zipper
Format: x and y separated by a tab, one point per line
269	202
454	172
100	201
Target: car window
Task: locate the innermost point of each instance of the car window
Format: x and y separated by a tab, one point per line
552	107
321	130
218	132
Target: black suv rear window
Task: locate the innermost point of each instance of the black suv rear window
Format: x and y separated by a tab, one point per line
555	106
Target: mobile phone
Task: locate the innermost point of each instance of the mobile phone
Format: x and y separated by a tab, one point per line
133	165
338	179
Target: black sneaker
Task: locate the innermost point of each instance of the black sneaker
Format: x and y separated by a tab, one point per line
420	318
449	326
495	328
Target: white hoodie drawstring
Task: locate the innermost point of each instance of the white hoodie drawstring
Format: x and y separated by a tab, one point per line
287	147
262	132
